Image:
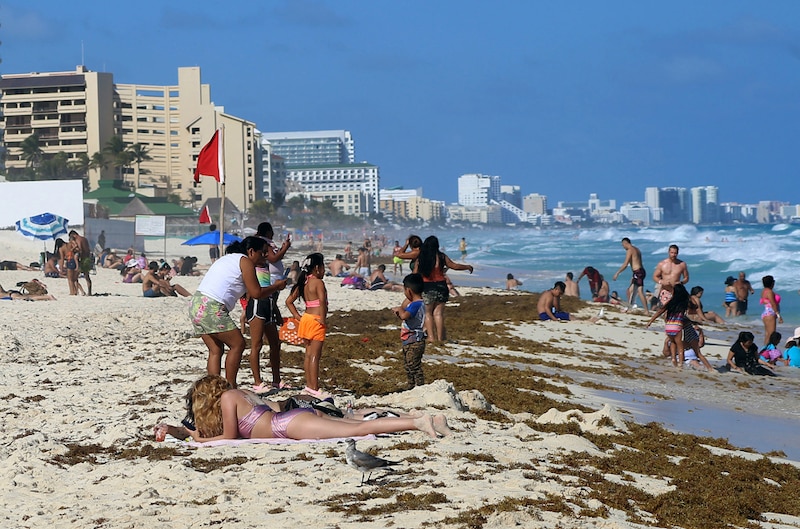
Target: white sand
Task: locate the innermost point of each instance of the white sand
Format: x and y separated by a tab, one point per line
104	370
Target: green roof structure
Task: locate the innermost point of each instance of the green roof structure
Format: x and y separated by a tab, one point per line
122	202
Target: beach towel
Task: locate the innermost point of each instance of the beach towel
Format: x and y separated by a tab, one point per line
273	441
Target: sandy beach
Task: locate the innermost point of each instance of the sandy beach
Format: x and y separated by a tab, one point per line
553	422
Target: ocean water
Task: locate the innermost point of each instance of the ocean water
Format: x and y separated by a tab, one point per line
539	257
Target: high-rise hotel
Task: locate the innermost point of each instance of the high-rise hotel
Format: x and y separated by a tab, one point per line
78	112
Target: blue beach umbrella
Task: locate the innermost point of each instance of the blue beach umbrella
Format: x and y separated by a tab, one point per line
210	237
43	227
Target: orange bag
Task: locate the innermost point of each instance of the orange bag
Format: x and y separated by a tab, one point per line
288	331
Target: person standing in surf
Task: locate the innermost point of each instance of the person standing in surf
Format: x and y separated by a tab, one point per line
633	257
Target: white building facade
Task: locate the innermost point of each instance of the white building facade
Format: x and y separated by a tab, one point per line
316	147
478	189
338	182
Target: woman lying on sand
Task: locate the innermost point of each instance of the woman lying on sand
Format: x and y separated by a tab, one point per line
221	412
16	294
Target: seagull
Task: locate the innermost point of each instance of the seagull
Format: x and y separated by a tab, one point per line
364	463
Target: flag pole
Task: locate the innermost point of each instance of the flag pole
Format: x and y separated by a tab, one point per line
222	189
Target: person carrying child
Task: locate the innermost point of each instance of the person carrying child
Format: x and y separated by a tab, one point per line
412	331
311	289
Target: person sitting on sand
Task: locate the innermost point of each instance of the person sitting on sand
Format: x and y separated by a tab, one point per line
338	267
221	412
51	266
602	292
696	312
549	306
743	356
17	295
378	281
113	261
791	354
770	354
693	341
131	273
512	282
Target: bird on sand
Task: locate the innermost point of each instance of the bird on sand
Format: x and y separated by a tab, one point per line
364	463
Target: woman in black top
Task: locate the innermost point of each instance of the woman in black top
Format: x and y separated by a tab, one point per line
743	356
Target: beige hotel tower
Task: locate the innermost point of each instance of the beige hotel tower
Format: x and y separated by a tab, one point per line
79	111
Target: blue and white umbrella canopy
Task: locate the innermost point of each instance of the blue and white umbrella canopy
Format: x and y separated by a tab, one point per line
42	227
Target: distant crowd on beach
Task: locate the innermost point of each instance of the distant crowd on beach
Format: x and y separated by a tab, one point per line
683	311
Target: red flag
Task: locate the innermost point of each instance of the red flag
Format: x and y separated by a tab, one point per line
205	217
210	160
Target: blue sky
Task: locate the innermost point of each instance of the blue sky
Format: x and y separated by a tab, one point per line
560	98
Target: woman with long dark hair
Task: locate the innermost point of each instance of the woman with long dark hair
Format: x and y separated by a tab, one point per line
227	280
675	310
432	264
743	356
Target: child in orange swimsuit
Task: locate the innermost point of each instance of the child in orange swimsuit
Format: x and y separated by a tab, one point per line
311	289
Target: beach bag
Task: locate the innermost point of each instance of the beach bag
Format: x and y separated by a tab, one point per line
288	331
32	288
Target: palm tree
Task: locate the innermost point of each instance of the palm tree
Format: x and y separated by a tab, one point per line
31	151
98	162
139	153
117	154
80	167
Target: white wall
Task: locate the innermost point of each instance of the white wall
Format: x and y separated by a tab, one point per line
25	199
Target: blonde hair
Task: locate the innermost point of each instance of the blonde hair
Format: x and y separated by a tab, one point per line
203	404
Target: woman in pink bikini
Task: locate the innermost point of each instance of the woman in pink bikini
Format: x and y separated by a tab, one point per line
771	314
311	289
220	412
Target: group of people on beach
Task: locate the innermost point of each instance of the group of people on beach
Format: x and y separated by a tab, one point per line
251	272
683	310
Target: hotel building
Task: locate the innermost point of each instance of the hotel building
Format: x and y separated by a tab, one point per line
79	112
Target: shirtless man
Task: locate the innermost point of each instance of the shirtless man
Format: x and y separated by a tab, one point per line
338	267
572	288
633	257
743	289
151	283
670	272
362	263
85	258
602	292
549	306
